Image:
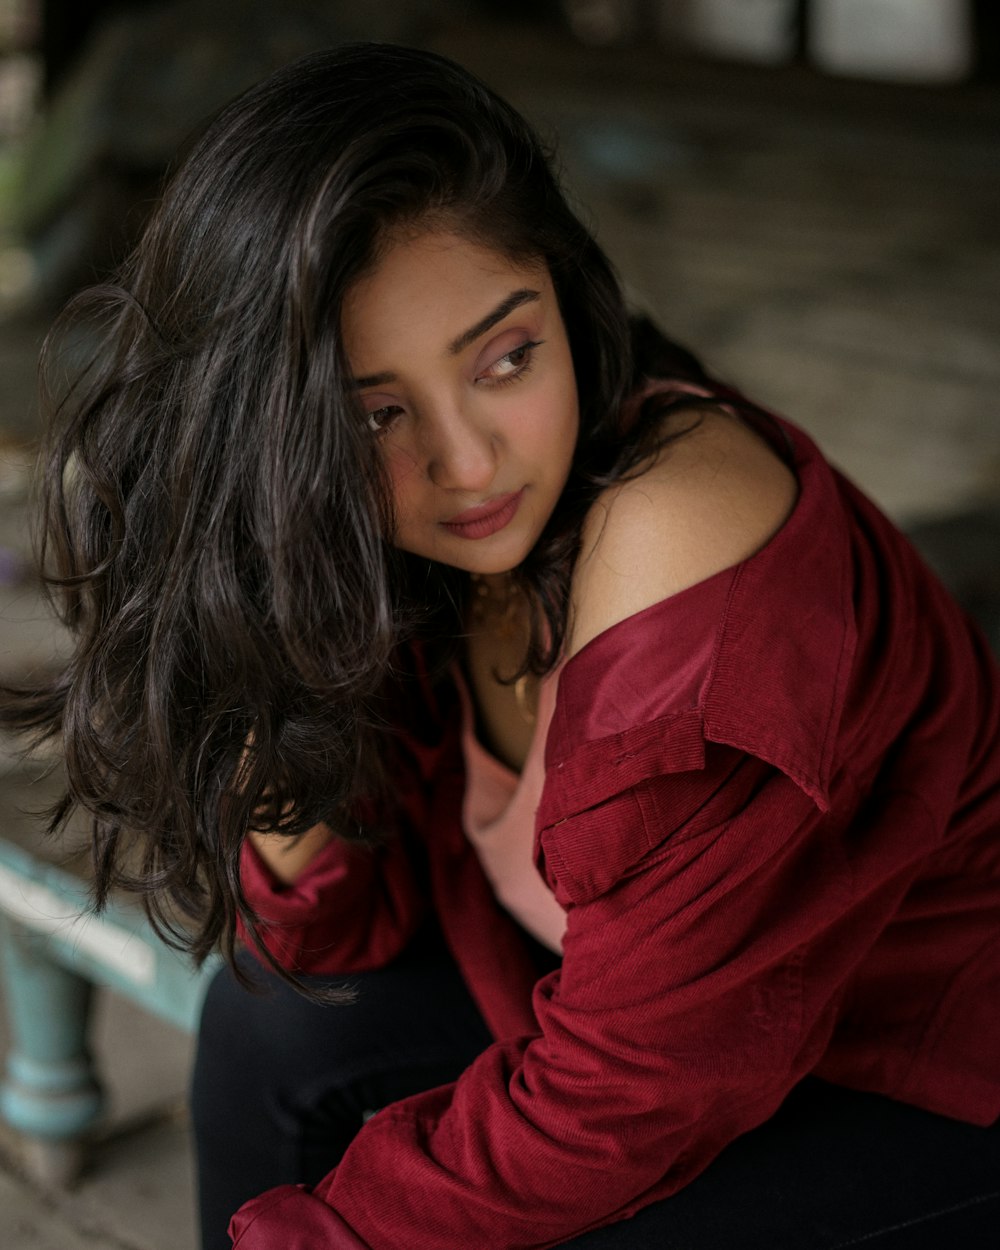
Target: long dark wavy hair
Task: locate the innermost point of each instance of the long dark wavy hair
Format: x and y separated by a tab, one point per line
215	521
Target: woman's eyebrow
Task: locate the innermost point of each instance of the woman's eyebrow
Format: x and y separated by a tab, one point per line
506	306
374	379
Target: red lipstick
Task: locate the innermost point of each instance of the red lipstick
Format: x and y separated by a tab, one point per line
485	518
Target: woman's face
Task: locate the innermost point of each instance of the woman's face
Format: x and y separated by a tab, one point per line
464	371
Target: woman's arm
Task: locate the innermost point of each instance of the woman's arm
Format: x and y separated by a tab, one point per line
288	857
676	1023
351	907
331	904
334	904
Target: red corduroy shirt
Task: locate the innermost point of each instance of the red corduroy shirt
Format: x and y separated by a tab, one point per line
772	812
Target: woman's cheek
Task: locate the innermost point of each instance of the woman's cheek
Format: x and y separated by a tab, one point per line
405	486
402	466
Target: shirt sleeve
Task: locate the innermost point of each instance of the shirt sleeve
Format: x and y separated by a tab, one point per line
357	904
680	1019
354	907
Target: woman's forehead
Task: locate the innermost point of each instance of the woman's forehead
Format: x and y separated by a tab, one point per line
435	288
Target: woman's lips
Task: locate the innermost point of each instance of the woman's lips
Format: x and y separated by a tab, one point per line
485	518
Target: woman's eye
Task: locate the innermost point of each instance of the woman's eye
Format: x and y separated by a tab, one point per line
379	419
513	364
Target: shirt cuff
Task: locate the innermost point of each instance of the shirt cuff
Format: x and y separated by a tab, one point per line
294	1219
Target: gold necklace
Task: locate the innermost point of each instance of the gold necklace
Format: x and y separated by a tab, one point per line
496	608
502	613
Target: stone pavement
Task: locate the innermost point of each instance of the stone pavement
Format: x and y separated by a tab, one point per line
834	248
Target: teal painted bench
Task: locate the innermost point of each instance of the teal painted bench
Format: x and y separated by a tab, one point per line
55	953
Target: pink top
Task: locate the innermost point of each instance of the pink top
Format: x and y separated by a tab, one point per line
498	816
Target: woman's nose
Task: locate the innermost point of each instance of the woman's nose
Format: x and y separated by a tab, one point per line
461	454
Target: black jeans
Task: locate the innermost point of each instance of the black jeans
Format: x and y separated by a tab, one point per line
281	1085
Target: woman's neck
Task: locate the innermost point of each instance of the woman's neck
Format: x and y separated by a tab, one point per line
498	625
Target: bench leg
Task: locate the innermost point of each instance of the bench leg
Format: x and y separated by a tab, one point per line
50	1092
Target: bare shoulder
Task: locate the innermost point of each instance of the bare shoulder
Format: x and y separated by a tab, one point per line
706	501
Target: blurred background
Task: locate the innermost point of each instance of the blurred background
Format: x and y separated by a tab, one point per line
804	192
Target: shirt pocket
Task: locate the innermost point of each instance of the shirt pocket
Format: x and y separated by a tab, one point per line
608	806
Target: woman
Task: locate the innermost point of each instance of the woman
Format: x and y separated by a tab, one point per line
602	791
